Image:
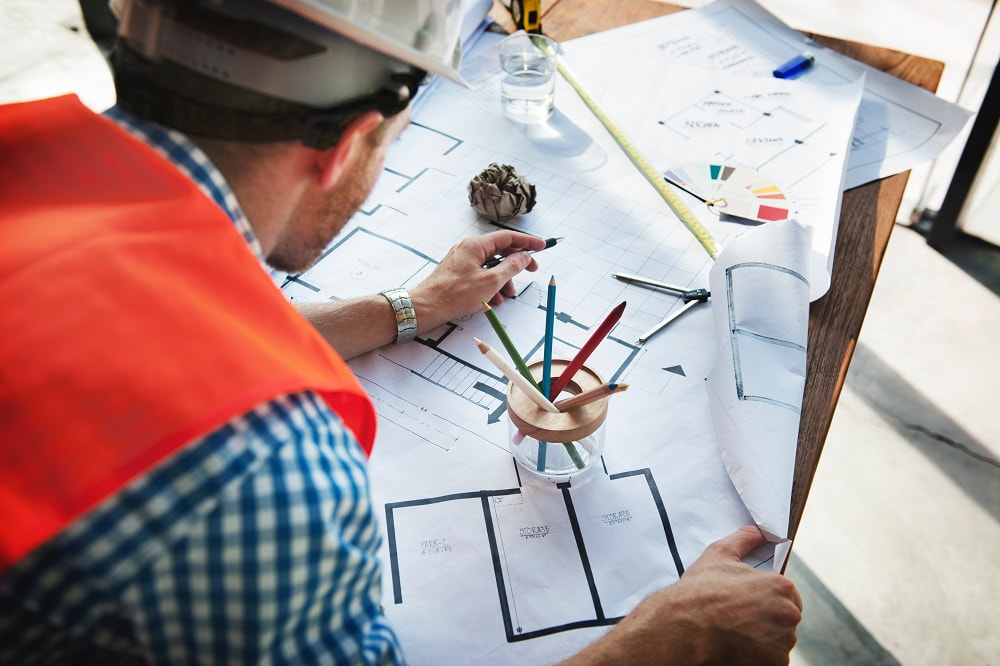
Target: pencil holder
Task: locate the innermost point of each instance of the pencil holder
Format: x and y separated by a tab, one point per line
557	446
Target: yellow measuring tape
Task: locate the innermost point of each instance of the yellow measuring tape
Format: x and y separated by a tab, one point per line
654	177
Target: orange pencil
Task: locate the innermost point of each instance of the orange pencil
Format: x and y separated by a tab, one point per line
589	396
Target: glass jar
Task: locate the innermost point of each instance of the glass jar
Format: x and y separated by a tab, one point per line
560	446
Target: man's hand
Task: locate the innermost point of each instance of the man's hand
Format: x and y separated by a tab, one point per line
459	283
720	612
457	287
746	616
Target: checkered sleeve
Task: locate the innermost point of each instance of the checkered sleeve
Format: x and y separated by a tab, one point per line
284	570
256	545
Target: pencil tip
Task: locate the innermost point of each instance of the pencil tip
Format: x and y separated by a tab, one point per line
486	306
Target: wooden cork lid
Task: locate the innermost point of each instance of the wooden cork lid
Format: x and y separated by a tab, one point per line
565	427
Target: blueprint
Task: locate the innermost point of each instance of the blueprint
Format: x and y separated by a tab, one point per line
482	562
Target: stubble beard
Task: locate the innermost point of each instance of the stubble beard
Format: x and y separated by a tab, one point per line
314	225
320	217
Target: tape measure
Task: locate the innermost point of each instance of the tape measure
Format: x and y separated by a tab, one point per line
527	14
654	177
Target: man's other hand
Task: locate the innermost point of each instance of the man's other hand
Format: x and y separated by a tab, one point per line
722	611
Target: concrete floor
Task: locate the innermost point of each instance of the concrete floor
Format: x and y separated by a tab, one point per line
897	556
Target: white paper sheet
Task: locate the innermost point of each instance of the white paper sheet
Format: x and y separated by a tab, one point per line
760	287
899	125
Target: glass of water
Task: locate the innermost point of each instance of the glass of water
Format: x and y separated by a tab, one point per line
528	77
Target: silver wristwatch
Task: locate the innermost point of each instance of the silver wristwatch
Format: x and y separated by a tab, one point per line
406	318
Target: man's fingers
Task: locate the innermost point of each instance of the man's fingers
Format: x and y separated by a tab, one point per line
512	265
739	543
497	242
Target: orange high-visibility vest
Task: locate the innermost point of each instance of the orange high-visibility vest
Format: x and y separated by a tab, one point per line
133	320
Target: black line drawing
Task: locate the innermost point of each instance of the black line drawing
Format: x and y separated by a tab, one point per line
517	534
615	527
764	348
452	368
776	138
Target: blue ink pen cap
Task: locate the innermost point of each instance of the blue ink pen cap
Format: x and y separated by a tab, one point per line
795	66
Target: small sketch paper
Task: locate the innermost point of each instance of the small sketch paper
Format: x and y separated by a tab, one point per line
898	126
795	133
760	295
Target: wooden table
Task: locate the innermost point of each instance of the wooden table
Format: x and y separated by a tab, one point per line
867	218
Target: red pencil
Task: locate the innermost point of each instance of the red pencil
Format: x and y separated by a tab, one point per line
587	349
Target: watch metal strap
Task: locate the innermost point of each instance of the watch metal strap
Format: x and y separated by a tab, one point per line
406	318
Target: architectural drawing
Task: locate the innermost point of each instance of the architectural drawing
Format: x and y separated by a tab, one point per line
468	539
759	345
758	130
596	580
450	363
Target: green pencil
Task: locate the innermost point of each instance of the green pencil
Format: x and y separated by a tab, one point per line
508	344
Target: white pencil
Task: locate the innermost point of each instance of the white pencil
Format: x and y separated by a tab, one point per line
514	376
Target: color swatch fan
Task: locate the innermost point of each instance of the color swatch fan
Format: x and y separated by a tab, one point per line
732	190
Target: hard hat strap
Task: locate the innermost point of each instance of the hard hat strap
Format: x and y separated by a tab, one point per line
173	97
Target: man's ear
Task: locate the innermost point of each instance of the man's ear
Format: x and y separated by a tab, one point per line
332	162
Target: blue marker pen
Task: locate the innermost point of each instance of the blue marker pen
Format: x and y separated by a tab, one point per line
795	66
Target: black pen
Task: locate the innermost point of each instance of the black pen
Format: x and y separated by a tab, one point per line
495	261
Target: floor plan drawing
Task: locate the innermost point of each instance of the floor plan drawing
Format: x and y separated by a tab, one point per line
773	138
598	583
489	561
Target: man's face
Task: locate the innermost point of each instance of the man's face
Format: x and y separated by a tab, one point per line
323	213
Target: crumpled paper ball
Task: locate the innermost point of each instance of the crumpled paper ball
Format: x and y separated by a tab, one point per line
500	193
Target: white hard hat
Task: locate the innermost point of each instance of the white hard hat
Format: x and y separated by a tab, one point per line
353	47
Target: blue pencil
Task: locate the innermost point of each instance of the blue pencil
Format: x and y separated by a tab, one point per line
550	325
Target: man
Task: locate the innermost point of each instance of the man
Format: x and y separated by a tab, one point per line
182	475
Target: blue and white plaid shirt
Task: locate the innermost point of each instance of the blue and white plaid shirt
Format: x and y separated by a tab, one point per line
255	544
